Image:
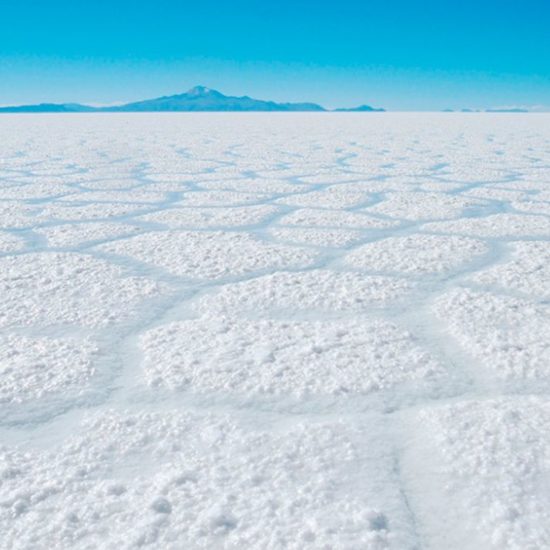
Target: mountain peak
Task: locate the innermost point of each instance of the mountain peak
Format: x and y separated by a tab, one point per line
201	90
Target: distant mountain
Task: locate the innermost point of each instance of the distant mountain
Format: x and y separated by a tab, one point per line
360	109
510	110
205	99
49	108
196	99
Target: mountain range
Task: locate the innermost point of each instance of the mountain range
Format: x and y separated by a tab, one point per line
198	98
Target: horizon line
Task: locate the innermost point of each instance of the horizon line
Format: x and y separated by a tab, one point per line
200	91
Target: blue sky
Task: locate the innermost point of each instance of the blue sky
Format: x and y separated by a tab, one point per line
402	55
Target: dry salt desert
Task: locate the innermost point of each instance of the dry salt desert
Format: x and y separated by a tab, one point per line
275	331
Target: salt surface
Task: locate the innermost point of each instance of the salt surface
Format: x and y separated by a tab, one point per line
416	254
280	332
288	358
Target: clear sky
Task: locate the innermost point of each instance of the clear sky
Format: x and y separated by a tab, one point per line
398	54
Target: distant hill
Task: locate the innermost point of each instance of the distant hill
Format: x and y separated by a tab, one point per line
510	110
197	99
360	109
49	108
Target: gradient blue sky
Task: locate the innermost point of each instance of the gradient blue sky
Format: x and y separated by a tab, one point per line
399	54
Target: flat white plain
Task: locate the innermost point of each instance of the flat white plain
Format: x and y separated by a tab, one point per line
273	331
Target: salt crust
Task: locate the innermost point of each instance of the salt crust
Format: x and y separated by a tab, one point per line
32	368
416	254
318	290
510	337
287	358
488	463
64	288
173	480
209	255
